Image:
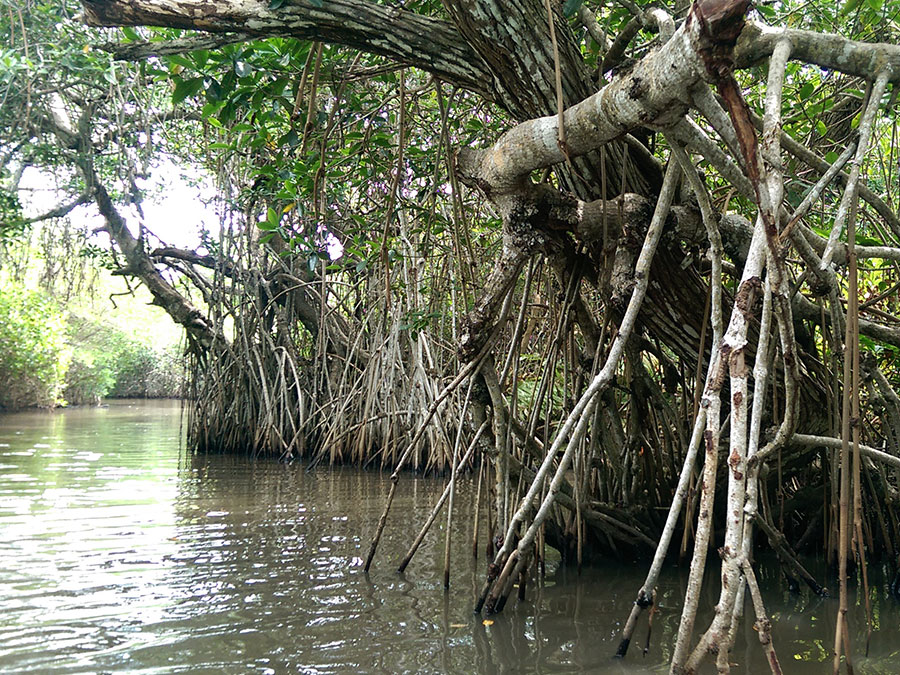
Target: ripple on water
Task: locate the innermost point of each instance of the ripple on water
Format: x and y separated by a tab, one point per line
122	554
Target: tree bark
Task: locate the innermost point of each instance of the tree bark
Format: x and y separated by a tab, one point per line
403	36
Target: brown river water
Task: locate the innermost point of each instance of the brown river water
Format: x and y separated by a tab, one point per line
122	553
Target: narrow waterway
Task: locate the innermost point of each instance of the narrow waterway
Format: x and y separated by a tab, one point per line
122	553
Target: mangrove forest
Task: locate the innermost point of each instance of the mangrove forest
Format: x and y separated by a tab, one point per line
630	267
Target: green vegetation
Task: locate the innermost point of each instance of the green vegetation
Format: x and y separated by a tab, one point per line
50	356
107	362
34	355
71	333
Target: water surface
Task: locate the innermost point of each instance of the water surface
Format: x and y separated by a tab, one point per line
122	553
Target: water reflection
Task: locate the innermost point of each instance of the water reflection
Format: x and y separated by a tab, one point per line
122	554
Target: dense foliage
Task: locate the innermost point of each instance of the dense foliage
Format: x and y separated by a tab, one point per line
34	356
108	362
50	356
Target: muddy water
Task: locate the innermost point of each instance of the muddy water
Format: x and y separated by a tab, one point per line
120	553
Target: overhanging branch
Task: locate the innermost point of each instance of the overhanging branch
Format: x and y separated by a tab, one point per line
403	36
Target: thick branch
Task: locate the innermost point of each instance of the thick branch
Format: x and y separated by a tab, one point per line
865	450
654	93
834	52
403	36
139	264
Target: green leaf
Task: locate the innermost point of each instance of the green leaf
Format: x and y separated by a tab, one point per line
806	90
875	4
242	68
316	3
831	156
210	109
276	4
213	91
201	56
821	128
571	6
312	261
180	60
186	88
849	6
290	139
